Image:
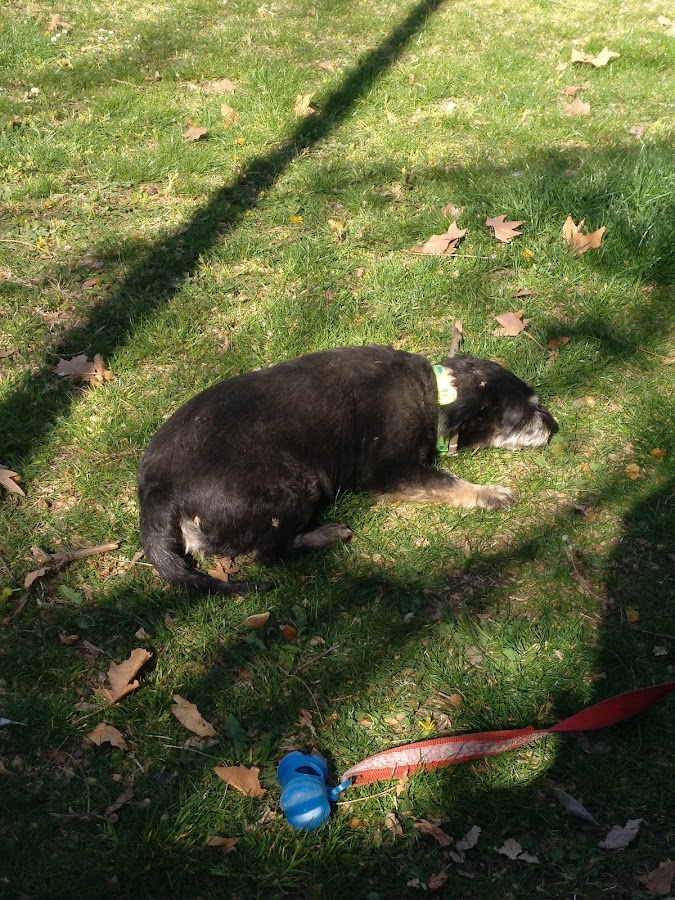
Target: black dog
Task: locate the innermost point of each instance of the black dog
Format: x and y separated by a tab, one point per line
247	464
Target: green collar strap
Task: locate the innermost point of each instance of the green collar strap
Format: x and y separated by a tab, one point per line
447	393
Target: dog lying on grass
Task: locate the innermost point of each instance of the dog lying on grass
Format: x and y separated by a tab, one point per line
247	464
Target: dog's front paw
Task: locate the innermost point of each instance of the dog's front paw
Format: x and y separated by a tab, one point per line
337	532
493	496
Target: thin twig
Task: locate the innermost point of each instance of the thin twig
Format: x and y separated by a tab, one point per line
631	626
371	797
319	656
128	83
62	559
28	244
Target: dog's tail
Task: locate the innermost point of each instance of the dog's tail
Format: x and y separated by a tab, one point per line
163	544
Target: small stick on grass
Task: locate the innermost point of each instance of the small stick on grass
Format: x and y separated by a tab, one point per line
457	335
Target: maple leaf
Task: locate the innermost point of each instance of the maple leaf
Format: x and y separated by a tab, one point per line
227	845
577	108
437	881
426	827
257	620
504	231
189	716
512	324
121	676
8	481
194	133
598	61
442	244
244	780
107	734
658	881
510	848
619	837
303	105
222	568
229	115
579	241
83	369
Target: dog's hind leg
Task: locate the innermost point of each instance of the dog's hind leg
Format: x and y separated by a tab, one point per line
427	485
325	536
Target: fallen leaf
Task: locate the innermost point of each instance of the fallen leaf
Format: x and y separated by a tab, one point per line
327	65
189	716
222	568
257	620
121	801
470	839
577	108
527	857
366	721
7	481
426	827
598	61
658	881
289	633
573	89
504	231
660	650
402	784
393	824
150	189
637	130
89	283
303	105
305	720
228	115
578	240
121	676
218	86
452	211
107	734
68	639
510	848
620	837
633	471
657	453
512	324
316	641
194	133
83	369
244	780
442	244
57	21
526	292
7	354
141	634
355	823
227	845
556	342
572	805
632	615
32	577
438	880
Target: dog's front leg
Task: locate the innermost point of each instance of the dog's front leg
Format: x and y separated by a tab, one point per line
428	485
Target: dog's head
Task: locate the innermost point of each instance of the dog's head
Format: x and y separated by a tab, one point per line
494	408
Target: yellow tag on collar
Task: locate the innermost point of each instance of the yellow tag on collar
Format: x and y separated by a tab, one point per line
447	392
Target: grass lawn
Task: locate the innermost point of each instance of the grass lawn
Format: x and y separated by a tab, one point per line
184	262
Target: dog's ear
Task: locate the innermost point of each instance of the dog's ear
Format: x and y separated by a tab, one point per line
458	414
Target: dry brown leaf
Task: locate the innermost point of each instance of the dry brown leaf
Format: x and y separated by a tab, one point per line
57	21
598	61
426	827
33	576
107	734
227	845
122	676
578	240
90	283
504	231
633	471
621	836
657	453
437	880
222	568
573	89
257	620
442	244
512	324
305	719
577	108
392	824
289	633
229	115
658	881
327	65
303	105
68	639
244	780
470	839
121	801
510	848
7	480
452	211
402	784
189	716
555	342
218	86
525	292
194	133
83	369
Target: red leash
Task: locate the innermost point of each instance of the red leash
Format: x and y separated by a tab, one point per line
443	751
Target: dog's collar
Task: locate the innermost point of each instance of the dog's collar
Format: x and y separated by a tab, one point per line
447	393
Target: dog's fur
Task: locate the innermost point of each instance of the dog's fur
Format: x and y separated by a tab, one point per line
247	464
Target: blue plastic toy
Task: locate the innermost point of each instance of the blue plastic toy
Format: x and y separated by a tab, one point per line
306	797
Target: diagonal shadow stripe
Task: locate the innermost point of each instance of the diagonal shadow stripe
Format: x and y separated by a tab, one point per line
31	410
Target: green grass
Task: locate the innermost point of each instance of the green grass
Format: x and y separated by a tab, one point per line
232	264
